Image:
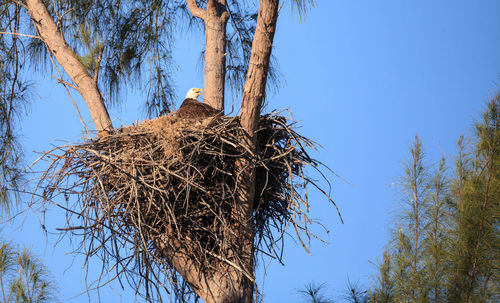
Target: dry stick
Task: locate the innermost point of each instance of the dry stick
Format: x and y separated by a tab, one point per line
19	34
233	265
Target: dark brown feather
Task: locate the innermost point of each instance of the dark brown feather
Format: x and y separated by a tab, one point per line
193	109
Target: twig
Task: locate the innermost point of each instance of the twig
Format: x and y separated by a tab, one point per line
19	3
21	35
65	84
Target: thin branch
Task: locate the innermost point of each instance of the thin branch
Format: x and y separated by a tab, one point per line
66	12
66	84
61	81
19	34
238	268
98	64
281	6
19	3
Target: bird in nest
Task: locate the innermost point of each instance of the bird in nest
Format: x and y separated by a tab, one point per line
191	108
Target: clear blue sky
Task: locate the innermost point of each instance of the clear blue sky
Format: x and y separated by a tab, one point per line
363	77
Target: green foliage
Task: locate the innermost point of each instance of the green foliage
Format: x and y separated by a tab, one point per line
302	6
448	242
403	270
475	242
14	96
93	49
436	232
384	292
315	293
133	41
355	293
23	278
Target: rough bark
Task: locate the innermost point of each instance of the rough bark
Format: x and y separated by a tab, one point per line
231	284
253	96
255	84
254	93
215	18
222	286
84	83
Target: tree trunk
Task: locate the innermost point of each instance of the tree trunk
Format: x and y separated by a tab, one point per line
85	84
215	53
235	283
253	96
255	84
215	18
226	284
254	93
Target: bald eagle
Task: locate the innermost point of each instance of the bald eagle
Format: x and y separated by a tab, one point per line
191	108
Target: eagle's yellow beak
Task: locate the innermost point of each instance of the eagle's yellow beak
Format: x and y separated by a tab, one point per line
194	93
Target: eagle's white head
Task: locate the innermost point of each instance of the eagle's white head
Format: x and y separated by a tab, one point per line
194	93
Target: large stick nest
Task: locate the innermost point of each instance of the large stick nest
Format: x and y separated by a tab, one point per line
178	177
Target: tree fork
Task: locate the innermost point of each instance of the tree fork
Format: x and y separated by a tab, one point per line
85	84
215	18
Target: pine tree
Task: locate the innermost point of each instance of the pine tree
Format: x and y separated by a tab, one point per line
384	289
409	242
23	278
476	192
446	248
435	243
